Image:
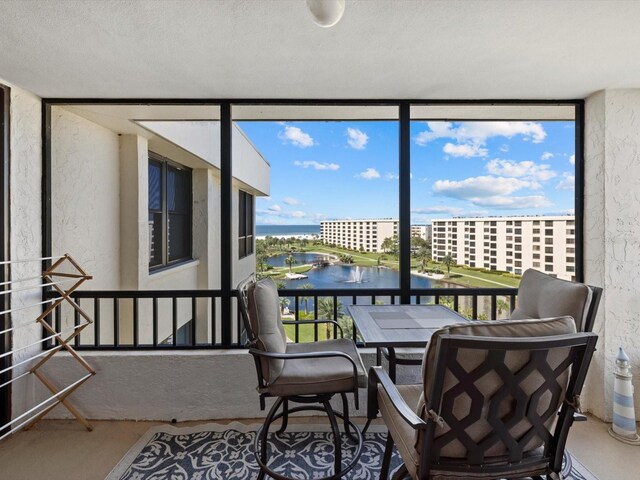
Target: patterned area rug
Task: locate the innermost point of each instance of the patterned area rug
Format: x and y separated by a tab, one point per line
213	451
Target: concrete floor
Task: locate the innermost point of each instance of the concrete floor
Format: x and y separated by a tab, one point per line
63	450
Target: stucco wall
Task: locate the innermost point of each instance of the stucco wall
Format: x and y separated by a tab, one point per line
26	177
191	385
612	236
85	196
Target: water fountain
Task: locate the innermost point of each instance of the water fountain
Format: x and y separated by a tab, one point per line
356	275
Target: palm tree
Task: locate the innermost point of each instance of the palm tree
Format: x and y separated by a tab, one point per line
290	261
325	311
502	305
261	261
284	303
447	261
305	299
346	258
281	285
387	244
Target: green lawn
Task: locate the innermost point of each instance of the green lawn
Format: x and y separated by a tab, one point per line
306	332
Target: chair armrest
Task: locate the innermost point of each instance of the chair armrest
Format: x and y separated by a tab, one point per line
298	356
316	322
378	376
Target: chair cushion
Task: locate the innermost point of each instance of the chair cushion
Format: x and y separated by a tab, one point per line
407	353
543	296
403	435
319	375
488	385
266	323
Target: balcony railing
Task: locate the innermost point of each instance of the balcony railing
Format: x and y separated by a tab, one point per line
190	319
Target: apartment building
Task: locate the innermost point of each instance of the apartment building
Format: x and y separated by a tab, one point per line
421	231
512	244
366	234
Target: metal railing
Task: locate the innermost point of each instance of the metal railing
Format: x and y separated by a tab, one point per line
190	319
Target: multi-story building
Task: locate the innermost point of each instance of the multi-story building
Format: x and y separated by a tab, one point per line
421	231
512	244
366	234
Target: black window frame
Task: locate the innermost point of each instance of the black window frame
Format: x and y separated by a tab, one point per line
166	165
246	224
225	104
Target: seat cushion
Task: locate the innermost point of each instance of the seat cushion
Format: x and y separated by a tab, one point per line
266	323
319	375
487	385
403	435
543	296
407	353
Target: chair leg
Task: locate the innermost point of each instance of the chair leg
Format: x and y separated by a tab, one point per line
265	432
285	417
386	459
378	356
401	473
345	413
337	444
366	426
392	368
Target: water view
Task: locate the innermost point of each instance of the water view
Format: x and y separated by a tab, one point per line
341	276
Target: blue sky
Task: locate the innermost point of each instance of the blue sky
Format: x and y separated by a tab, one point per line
331	170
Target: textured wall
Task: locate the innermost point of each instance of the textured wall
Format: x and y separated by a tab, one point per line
85	196
26	175
612	235
196	385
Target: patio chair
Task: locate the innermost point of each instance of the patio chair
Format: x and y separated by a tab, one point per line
497	401
539	296
304	373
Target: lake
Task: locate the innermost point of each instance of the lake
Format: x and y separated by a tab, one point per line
353	277
345	276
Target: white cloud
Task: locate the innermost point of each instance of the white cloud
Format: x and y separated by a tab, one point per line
439	209
475	187
572	159
277	213
546	156
465	150
477	133
471	137
369	174
391	176
513	203
291	201
357	138
568	182
490	191
317	165
504	148
527	170
296	136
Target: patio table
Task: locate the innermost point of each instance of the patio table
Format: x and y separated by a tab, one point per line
401	326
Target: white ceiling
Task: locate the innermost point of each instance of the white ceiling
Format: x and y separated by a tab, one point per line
472	49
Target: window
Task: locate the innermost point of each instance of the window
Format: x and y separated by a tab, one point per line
170	211
245	224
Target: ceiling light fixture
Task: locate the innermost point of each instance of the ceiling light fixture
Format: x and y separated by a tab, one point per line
326	13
